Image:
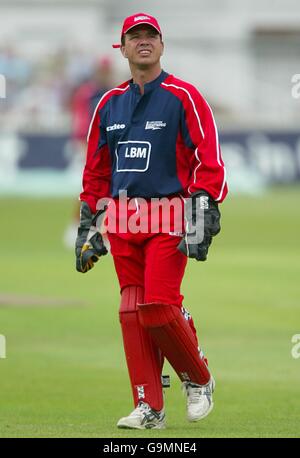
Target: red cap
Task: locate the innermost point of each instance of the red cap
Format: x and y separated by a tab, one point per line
137	19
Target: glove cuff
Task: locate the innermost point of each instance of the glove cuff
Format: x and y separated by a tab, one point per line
206	200
86	216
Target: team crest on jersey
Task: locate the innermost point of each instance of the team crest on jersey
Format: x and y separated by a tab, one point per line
154	125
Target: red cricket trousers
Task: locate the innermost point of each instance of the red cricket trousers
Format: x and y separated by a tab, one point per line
150	270
152	262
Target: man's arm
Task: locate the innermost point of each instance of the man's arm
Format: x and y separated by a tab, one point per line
208	184
96	185
201	135
97	171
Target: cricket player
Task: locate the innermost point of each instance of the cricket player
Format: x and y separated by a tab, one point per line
154	137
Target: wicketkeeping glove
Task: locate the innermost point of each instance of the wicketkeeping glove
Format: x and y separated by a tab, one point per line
89	243
201	225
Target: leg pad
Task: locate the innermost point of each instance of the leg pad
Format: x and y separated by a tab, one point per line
175	338
143	357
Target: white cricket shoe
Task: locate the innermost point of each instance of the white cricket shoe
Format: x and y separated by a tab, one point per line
143	417
199	399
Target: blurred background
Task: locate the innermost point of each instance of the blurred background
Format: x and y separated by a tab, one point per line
56	55
56	61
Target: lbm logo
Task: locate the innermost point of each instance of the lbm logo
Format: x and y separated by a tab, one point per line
136	152
2	346
133	156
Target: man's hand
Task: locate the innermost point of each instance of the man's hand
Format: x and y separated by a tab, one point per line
203	223
89	243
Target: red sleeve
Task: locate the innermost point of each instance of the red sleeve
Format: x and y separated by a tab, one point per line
97	170
208	171
201	139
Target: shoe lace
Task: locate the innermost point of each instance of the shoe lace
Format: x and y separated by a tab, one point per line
140	409
194	392
148	413
143	407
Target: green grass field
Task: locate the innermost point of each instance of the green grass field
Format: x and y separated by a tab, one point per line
65	374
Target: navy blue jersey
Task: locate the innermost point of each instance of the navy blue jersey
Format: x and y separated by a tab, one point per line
161	143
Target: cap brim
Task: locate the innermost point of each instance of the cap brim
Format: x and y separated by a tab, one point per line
142	22
117	45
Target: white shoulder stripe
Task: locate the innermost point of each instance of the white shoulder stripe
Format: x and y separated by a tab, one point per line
192	102
96	109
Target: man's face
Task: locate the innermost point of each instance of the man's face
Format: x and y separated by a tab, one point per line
143	46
